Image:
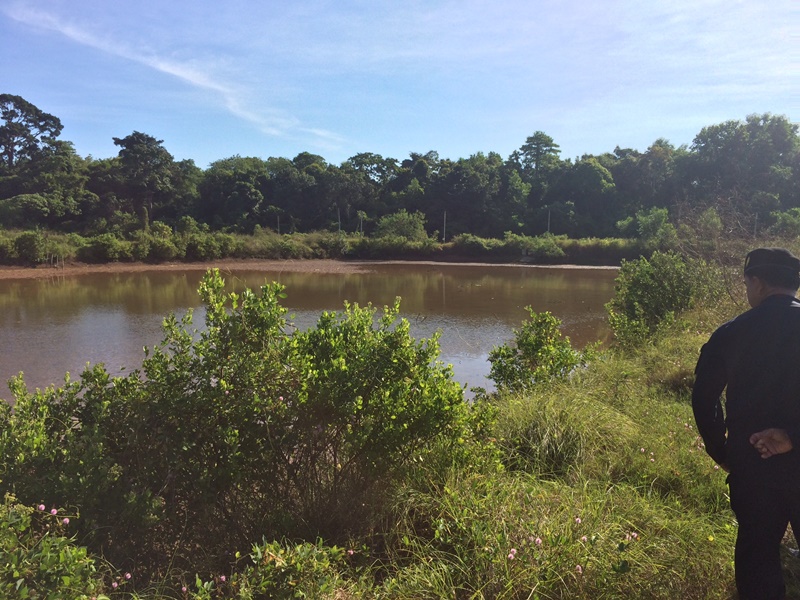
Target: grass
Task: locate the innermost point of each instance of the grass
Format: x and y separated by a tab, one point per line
594	487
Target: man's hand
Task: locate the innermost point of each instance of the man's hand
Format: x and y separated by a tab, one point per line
771	442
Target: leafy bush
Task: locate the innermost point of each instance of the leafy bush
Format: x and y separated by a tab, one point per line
38	561
316	425
650	293
30	247
276	570
539	353
472	245
202	246
402	224
787	224
389	247
536	248
106	248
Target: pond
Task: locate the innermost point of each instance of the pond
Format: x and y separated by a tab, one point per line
55	325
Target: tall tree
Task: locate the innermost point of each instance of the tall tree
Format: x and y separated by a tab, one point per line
540	163
147	167
26	130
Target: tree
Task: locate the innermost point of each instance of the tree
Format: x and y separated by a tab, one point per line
232	192
25	132
147	167
539	164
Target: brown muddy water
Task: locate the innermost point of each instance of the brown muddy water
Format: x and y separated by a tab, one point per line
52	326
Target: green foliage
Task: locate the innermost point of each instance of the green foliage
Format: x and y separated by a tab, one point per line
544	247
389	247
283	570
539	354
787	224
30	247
650	293
652	227
106	248
472	245
402	224
38	561
317	425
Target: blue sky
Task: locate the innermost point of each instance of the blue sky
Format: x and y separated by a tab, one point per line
339	77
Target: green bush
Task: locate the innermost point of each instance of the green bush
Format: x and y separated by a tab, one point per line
38	561
544	247
402	224
249	428
202	246
106	248
539	353
472	245
282	570
649	293
389	247
162	249
30	247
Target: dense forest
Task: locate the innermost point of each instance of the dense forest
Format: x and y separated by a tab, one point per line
748	171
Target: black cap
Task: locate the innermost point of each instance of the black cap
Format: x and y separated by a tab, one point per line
771	258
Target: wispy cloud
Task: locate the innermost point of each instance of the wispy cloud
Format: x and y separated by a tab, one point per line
193	73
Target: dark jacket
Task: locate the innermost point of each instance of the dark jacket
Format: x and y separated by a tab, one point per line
757	357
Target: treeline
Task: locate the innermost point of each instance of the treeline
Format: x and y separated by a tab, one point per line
748	169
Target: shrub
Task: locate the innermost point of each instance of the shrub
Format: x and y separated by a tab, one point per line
30	247
38	561
202	246
472	245
162	249
650	293
537	248
402	224
106	248
539	353
276	570
316	425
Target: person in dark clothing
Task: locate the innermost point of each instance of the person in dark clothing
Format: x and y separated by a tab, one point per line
755	358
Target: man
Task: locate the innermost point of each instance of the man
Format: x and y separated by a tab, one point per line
756	356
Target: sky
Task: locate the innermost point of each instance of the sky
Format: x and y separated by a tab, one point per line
340	77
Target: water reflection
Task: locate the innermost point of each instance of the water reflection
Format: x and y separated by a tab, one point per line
51	326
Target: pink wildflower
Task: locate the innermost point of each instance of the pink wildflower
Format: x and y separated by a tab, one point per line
127	575
183	589
351	552
579	569
114	585
54	512
41	507
222	578
584	539
511	556
538	541
280	398
578	520
65	521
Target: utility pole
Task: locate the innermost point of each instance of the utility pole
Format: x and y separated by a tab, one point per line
444	228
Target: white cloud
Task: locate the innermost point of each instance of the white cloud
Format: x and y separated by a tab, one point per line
195	73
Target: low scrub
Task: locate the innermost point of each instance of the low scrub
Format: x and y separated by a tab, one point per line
317	425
